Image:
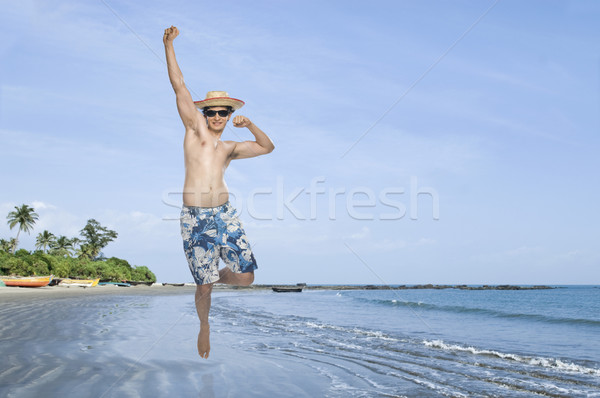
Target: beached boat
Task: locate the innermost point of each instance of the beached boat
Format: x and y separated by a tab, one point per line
26	281
123	284
136	283
79	282
287	289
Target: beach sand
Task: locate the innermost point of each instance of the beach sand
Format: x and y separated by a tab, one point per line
12	293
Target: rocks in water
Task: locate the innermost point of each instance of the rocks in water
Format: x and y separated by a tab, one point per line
403	287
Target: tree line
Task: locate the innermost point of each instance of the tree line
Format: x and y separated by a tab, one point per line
77	257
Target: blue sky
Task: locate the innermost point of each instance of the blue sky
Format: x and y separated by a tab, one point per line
416	142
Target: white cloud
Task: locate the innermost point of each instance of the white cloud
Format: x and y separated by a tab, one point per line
38	205
520	254
6	207
51	217
365	232
389	245
524	251
137	229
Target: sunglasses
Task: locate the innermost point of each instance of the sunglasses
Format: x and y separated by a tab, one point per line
211	113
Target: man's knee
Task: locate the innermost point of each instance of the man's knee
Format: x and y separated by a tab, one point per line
246	278
204	290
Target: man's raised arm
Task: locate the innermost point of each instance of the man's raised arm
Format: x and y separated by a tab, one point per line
185	104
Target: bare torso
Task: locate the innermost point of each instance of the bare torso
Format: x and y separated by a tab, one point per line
206	159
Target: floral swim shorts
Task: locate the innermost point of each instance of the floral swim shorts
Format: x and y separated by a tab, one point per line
210	233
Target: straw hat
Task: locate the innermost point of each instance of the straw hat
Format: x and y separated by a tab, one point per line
219	98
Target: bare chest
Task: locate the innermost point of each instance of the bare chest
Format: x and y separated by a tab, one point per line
207	153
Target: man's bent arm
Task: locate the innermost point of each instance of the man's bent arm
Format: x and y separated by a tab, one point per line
185	104
250	149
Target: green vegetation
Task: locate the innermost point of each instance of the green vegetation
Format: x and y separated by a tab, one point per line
66	257
114	269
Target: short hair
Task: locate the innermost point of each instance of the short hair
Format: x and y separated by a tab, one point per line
229	108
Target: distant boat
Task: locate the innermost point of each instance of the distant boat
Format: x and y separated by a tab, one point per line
114	284
287	289
135	283
26	281
79	282
173	284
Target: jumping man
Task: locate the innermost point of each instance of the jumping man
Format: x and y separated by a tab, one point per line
210	227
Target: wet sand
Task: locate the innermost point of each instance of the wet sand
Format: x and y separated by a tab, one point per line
137	341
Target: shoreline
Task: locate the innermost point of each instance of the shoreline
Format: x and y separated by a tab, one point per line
59	292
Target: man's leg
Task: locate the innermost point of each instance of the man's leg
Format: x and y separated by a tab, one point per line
235	252
203	299
233	278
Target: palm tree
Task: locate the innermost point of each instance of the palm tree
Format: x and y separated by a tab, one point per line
85	251
75	244
61	246
44	239
25	216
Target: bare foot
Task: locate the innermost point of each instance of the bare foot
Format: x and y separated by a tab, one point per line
204	341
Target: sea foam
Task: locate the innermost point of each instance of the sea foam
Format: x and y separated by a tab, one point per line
552	363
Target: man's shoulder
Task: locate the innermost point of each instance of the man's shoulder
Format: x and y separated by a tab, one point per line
229	145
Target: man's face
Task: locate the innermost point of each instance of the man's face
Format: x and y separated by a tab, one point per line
217	122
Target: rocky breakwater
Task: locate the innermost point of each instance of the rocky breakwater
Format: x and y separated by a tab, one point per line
404	287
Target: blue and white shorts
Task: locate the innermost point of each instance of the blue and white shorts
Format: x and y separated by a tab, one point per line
210	233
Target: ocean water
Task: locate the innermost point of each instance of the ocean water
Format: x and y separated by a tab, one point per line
360	343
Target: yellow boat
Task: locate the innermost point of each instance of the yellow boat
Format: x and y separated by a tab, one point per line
79	282
26	281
